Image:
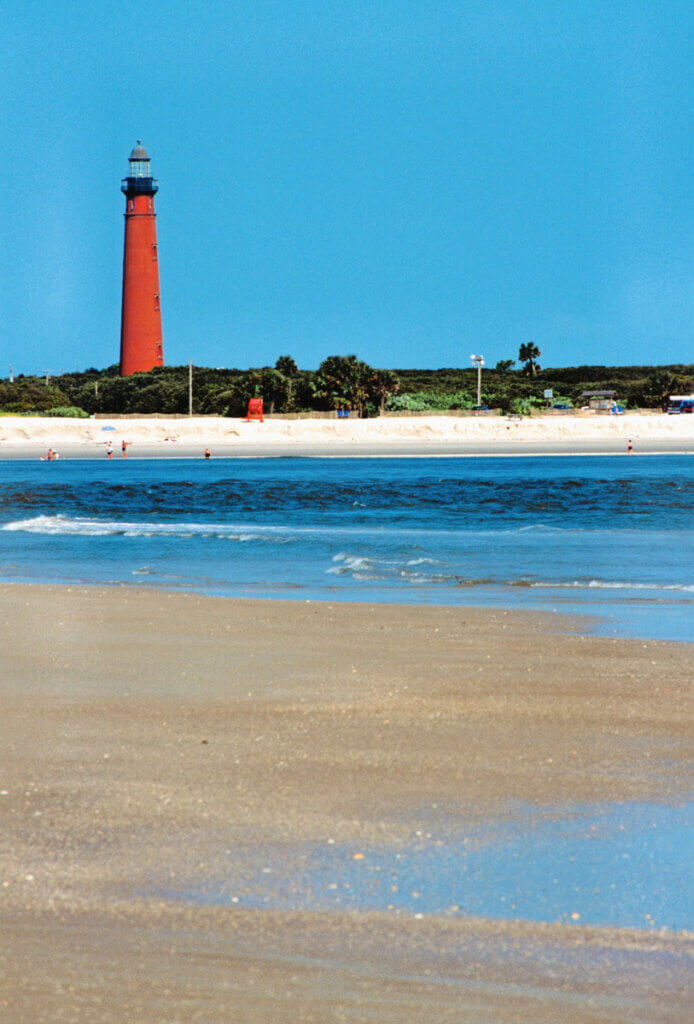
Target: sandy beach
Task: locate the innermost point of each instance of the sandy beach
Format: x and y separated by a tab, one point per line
152	739
580	434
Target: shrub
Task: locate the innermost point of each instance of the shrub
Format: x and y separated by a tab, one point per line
421	401
70	411
408	403
524	406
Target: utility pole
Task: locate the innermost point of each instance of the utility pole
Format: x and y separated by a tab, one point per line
190	388
479	361
47	377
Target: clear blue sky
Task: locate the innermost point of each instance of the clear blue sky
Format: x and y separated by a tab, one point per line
411	182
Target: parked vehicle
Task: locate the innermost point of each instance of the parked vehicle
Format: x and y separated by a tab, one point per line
680	404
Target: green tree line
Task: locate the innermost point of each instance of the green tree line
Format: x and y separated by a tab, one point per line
340	382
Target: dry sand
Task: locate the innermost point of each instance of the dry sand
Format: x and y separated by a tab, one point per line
30	437
145	733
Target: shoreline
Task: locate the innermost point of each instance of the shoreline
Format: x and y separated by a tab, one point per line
409	437
267	452
155	738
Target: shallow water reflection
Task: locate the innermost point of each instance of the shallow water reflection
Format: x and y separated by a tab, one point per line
627	865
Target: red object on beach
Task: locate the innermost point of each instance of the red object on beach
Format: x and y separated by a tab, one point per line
141	345
255	409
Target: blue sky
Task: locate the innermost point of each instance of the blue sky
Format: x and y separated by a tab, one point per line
412	182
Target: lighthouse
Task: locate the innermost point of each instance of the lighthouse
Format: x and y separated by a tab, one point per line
140	334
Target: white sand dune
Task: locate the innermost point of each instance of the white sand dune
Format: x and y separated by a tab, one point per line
167	435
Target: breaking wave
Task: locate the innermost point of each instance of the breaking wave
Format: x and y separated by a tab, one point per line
85	527
607	585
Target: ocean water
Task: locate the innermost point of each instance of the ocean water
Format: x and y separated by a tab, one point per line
610	537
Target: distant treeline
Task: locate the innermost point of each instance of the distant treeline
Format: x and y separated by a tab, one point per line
339	382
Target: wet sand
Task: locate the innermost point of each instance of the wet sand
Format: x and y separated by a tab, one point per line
148	737
352	449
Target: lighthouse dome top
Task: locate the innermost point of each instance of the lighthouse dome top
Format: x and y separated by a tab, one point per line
139	180
139	152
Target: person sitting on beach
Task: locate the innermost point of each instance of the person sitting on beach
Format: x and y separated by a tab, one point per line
207	453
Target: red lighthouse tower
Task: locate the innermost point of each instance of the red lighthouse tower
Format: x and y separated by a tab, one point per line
140	334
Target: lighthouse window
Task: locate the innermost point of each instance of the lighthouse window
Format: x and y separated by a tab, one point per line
154	252
139	169
132	204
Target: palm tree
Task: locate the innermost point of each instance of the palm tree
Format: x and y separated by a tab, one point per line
381	384
341	381
287	366
289	370
528	354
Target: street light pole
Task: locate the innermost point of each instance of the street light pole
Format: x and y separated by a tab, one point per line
479	361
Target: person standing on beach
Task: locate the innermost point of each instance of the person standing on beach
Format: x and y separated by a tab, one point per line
630	447
124	448
207	453
109	450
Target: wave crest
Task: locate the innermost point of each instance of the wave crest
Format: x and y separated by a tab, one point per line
61	525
